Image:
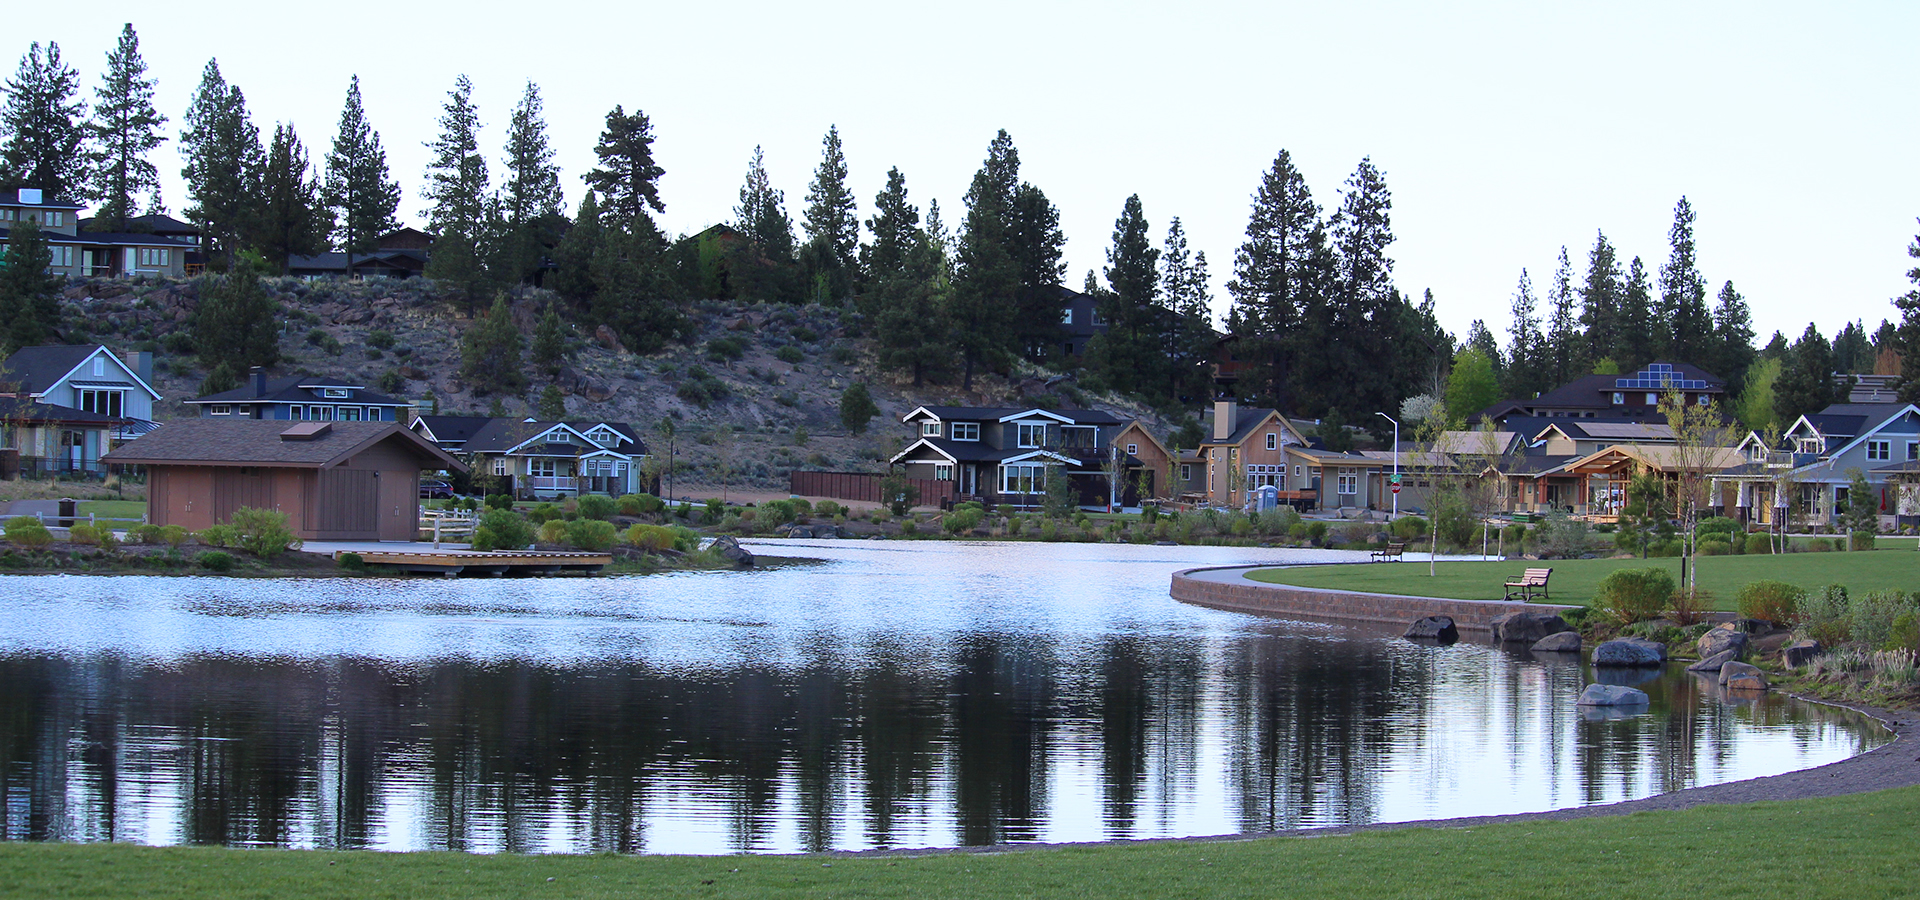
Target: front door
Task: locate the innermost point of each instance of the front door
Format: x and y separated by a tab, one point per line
399	505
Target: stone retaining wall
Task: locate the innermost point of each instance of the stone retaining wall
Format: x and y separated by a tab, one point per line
1340	606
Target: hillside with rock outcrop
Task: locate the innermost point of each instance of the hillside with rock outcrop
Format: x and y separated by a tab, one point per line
753	394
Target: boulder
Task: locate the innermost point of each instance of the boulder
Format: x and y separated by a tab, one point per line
1722	639
1739	676
1560	642
730	549
573	382
605	337
1436	628
1527	627
1612	695
1799	653
1630	652
1714	662
1750	626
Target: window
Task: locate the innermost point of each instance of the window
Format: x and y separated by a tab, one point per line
1349	483
243	410
966	431
1879	450
221	409
602	436
942	472
1273	441
1263	476
56	217
350	413
1653	399
1067	316
1031	434
1913	450
1299	471
930	429
1186	472
335	393
1098	319
1619	398
1133	449
106	403
499	465
542	468
1022	479
154	257
320	413
1066	349
62	256
1705	400
99	367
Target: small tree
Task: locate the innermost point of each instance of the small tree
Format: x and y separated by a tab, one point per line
490	351
550	342
857	407
1862	513
899	493
552	406
1058	490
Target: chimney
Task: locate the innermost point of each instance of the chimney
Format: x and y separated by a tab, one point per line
259	378
140	362
1226	415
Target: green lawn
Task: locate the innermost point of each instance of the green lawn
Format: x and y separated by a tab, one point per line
115	509
1574	580
1847	847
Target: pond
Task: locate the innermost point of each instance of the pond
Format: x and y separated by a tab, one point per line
903	694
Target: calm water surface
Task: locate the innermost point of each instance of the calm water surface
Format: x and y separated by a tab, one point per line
903	695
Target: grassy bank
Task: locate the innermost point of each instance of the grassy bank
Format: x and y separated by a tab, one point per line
1574	580
1846	847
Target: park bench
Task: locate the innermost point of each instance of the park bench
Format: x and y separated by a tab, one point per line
1533	580
1390	551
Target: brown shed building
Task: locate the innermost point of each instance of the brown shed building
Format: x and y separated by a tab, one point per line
336	481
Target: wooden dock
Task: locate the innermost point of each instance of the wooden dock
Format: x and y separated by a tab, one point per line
452	563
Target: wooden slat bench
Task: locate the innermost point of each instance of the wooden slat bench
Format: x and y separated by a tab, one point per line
1530	582
1390	551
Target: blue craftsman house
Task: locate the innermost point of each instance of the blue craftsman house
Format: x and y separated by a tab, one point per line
312	398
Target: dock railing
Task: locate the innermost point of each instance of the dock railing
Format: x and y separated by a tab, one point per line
448	524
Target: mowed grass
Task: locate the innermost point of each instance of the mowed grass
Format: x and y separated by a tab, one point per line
1855	847
115	509
1574	580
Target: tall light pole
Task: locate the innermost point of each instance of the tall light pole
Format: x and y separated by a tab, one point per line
1396	464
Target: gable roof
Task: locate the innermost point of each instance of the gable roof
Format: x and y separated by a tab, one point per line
18	410
1000	413
1249	420
1898	411
1664	457
296	389
449	429
38	369
1137	425
505	434
11	197
1493	443
1625	432
1847	420
260	442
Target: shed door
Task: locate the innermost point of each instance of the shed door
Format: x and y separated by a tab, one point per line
399	505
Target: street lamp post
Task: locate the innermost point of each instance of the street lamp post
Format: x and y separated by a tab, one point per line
1396	464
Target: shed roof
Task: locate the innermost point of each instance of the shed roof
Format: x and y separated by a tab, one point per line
270	442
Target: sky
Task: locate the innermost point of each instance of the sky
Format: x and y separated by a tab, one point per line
1505	130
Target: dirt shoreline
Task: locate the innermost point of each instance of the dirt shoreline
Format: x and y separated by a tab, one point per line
1883	767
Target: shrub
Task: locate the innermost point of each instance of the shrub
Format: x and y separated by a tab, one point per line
908	527
1871	618
173	535
1820	545
1860	540
722	349
380	338
146	533
502	529
651	538
828	509
1759	543
262	532
352	562
1634	595
92	536
1690	607
543	513
961	521
1824	616
552	531
499	501
1775	601
1317	531
1717	525
1407	528
596	506
1714	547
590	534
713	512
216	561
219	536
26	531
778	512
1514	536
899	494
789	355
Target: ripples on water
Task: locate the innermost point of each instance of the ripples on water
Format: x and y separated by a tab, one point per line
905	695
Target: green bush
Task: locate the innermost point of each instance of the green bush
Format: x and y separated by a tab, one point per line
26	531
1871	619
961	521
1714	547
1860	540
543	513
1759	543
651	538
909	527
502	529
499	501
1775	601
828	509
713	512
1820	545
216	561
262	532
552	531
92	536
1514	535
1407	528
173	535
352	562
146	533
219	536
1317	531
1634	595
790	355
380	338
590	534
1825	616
778	512
1717	525
596	506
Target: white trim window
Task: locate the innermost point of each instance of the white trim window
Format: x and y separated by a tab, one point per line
499	465
336	393
543	467
966	431
930	429
320	413
602	436
106	403
1023	478
1913	450
1186	472
1348	483
1879	451
942	472
220	409
1273	441
1653	399
1133	449
1259	476
1066	317
1619	398
62	256
150	256
1299	471
1031	435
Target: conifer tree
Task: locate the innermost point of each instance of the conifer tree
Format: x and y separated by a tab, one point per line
573	259
44	121
456	188
550	342
1806	383
1359	347
1907	338
912	328
288	219
532	187
628	180
1852	350
1187	310
358	189
1524	375
1683	294
762	214
124	129
552	406
1732	336
29	308
490	351
1641	334
632	294
1275	274
1601	297
237	324
1480	337
1563	360
1037	248
831	222
896	229
223	164
986	275
1130	355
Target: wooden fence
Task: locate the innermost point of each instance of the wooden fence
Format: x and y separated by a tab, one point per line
862	486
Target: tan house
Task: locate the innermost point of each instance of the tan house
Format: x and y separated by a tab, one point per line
341	481
1149	463
1603	475
84	252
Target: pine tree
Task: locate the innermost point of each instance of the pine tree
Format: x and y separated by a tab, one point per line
456	177
572	277
490	351
831	222
1907	338
1806	383
44	121
762	214
628	180
237	323
550	342
124	129
632	294
1274	274
986	275
1525	353
1130	355
223	164
1683	294
1601	298
1853	350
1037	247
896	229
1563	360
1641	335
532	187
357	188
1480	337
552	406
1360	340
289	219
1187	310
1732	336
29	308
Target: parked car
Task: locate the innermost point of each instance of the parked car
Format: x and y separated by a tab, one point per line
435	489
